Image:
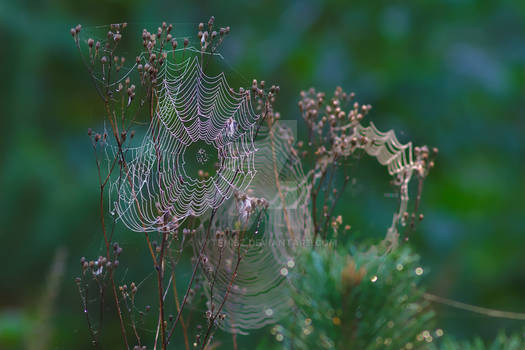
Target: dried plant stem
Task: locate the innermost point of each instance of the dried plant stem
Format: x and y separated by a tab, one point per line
230	285
92	332
117	304
177	304
194	273
416	204
160	278
332	208
102	184
315	193
221	249
134	327
107	243
234	338
473	308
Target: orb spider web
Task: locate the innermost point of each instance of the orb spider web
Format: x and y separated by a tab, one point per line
199	123
260	292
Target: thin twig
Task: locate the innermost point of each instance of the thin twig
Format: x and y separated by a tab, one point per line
194	273
473	308
214	317
160	275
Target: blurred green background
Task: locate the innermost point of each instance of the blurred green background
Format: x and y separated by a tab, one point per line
448	73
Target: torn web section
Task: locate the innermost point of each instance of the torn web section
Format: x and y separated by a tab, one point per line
399	161
265	237
199	121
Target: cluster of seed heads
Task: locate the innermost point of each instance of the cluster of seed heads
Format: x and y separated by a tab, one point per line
128	292
248	205
331	121
425	157
209	39
96	137
98	266
209	315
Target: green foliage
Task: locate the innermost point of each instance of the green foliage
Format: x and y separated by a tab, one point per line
352	299
502	342
357	300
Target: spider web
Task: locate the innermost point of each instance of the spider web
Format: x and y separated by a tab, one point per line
155	192
260	294
397	158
